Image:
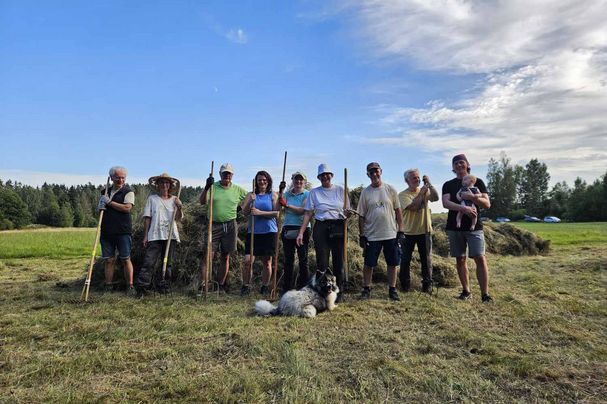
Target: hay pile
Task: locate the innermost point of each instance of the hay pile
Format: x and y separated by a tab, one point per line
503	239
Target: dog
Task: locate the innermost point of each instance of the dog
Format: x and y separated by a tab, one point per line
317	296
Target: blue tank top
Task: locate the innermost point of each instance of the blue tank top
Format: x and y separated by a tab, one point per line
263	224
292	218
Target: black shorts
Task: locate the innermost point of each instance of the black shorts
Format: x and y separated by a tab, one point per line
391	252
264	244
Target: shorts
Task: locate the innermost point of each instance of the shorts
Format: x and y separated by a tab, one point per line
474	240
110	243
224	236
391	252
264	244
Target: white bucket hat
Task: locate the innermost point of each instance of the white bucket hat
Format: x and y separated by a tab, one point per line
323	169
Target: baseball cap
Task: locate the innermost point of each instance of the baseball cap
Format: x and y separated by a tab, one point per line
226	167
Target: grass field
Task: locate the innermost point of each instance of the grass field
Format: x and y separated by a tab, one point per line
563	234
543	339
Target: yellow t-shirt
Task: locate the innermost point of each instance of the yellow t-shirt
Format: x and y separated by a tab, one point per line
413	220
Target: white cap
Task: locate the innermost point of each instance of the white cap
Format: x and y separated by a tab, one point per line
324	168
226	167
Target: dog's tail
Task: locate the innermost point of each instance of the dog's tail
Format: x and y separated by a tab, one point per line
265	308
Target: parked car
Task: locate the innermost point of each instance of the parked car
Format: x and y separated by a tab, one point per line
532	219
502	220
552	219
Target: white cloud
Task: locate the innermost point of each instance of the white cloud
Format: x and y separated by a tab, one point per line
237	36
543	92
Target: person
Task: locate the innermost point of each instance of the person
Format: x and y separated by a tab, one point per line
227	197
380	224
418	228
157	223
117	229
468	183
262	208
326	204
462	238
293	203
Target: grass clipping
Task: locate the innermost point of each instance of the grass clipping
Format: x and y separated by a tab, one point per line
503	239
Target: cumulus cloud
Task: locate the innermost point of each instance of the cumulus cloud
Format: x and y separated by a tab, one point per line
543	91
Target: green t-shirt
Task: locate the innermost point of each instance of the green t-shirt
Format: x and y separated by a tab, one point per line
226	201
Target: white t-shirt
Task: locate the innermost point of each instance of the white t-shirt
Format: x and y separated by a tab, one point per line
377	205
128	198
160	211
327	203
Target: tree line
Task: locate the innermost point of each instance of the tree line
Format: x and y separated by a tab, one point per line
517	190
61	206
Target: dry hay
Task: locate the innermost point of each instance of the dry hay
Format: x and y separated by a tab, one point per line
501	239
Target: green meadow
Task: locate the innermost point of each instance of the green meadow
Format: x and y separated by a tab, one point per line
542	340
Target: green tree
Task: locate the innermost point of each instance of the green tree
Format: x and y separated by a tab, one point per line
12	209
502	186
558	198
534	187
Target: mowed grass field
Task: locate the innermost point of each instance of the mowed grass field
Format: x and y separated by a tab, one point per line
543	339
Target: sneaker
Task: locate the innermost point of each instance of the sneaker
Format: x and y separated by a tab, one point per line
366	293
245	290
393	294
487	298
130	292
264	290
465	295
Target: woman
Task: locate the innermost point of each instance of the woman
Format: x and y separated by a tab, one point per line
157	218
293	203
326	205
262	207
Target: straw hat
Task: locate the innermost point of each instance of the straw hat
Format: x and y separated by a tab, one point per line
153	181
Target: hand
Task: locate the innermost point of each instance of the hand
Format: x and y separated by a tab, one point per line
470	211
145	241
363	242
282	186
469	196
103	201
209	183
178	203
426	180
400	236
283	202
299	240
256	212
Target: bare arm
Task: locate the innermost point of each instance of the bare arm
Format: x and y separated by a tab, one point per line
361	225
266	213
399	219
481	200
306	220
447	204
146	227
120	207
179	207
203	197
298	209
418	202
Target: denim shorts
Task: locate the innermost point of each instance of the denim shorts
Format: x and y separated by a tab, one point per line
111	243
391	252
458	240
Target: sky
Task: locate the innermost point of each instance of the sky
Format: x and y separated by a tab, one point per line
169	86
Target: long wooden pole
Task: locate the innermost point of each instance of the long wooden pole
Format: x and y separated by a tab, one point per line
165	261
345	225
209	238
87	283
252	250
279	229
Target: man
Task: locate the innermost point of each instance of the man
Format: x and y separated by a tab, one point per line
380	224
117	228
462	237
226	200
418	228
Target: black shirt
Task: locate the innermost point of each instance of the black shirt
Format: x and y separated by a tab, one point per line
451	187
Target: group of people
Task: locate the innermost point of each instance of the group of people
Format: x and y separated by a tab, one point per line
390	221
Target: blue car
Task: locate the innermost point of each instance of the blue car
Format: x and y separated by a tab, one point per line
532	219
552	219
502	220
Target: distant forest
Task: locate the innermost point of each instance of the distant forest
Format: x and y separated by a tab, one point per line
515	191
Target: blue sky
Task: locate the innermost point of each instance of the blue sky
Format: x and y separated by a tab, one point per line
171	85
